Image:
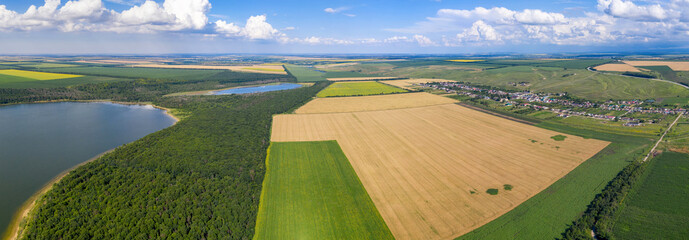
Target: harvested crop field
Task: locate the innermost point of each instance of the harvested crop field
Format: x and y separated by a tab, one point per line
273	69
427	169
372	103
37	75
359	78
676	66
343	89
411	83
616	67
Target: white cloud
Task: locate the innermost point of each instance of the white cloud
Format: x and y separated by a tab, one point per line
81	9
478	32
538	17
336	10
629	10
91	15
396	39
148	13
423	40
190	14
339	10
256	28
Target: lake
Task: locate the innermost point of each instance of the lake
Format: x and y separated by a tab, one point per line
39	141
264	88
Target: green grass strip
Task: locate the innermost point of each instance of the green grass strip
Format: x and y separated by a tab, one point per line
344	89
312	192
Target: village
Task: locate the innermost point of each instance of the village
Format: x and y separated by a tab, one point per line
555	102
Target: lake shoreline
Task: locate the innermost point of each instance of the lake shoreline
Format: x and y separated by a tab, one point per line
23	213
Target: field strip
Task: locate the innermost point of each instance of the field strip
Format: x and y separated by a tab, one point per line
615	67
410	83
360	78
311	191
372	103
676	66
37	75
421	165
271	69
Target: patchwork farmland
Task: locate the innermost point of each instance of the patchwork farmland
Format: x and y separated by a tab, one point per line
428	169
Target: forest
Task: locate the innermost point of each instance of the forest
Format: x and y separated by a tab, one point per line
199	179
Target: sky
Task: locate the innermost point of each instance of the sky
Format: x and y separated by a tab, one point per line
349	27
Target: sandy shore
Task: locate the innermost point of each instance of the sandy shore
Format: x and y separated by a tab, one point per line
15	229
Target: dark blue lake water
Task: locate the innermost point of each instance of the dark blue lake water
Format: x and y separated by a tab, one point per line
266	88
39	141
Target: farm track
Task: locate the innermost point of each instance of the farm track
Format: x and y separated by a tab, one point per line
663	136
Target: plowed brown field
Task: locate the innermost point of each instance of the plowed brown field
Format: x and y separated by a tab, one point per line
419	165
372	103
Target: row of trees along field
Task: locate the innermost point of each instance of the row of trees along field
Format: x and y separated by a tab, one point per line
199	179
144	89
600	215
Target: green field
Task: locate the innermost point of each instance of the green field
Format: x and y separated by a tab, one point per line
48	65
129	72
547	214
341	89
657	206
342	74
311	191
305	74
19	82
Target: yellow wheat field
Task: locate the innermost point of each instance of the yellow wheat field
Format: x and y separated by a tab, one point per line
411	83
419	165
677	66
616	68
272	69
372	103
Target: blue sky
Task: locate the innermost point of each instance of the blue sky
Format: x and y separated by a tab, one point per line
402	26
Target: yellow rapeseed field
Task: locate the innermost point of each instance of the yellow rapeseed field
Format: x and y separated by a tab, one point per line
37	75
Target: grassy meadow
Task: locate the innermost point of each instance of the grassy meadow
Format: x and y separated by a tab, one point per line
305	74
657	207
343	89
311	191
